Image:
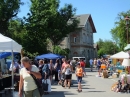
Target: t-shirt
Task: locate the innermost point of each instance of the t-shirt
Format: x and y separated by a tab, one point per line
82	64
16	66
91	62
99	63
68	71
40	68
29	83
63	65
51	66
79	72
95	62
128	78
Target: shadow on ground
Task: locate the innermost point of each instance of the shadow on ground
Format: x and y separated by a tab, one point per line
95	91
53	93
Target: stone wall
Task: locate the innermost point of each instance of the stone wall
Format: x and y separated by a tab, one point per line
83	47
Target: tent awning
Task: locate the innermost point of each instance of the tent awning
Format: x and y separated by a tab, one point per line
7	44
49	56
120	55
6	54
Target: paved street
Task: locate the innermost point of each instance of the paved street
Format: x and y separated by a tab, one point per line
92	87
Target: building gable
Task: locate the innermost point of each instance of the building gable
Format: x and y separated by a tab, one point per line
83	20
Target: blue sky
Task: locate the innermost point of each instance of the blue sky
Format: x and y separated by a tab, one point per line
104	13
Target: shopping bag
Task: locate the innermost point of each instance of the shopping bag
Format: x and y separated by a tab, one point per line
45	85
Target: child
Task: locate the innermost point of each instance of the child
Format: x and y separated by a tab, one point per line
79	74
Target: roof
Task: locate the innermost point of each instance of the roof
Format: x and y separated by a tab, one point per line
83	19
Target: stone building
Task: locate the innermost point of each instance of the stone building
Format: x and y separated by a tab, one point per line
96	48
80	42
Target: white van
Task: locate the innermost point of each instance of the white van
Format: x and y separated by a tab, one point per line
79	58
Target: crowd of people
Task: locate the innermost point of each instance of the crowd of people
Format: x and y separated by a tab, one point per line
45	71
100	64
57	71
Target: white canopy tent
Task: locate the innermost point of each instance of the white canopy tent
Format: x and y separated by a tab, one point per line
126	62
120	55
9	45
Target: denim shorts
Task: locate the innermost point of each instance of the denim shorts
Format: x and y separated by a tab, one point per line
79	79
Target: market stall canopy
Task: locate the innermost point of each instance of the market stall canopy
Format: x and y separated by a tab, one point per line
6	54
120	55
126	62
127	47
7	44
49	56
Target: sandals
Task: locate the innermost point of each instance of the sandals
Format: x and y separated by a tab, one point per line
79	90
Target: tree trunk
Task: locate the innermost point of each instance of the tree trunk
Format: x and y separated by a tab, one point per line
22	53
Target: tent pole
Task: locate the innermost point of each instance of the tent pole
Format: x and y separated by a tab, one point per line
12	74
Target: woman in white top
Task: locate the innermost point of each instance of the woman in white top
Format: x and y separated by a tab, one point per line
68	74
27	83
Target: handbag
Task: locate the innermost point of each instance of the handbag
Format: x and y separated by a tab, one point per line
39	85
45	85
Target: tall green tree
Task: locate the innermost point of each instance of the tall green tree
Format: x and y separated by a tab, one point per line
107	47
60	51
8	10
62	23
47	20
119	32
37	24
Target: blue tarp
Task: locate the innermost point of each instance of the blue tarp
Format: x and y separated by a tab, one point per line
49	56
6	54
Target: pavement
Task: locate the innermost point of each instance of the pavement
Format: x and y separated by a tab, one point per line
92	87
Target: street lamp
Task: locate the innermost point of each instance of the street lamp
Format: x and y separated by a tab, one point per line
127	48
127	19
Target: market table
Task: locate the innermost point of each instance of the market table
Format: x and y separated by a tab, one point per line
7	81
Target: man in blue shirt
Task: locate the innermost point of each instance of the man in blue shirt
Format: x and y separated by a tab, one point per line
15	67
99	65
91	64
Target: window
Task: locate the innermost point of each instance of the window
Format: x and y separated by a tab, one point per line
74	39
84	38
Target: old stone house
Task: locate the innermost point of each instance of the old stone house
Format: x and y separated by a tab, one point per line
80	42
96	48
